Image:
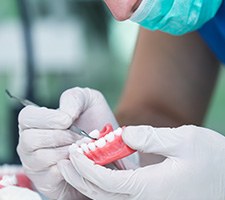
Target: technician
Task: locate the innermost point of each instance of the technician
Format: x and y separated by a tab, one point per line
170	83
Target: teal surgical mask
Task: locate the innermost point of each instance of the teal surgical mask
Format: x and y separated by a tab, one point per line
176	17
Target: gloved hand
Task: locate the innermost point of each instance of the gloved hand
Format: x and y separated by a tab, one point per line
193	168
87	108
15	193
44	137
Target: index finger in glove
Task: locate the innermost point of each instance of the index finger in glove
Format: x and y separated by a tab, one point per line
84	186
33	139
43	118
77	100
115	181
162	141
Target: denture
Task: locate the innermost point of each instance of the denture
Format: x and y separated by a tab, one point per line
108	148
14	176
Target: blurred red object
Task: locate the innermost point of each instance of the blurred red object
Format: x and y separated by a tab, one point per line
13	175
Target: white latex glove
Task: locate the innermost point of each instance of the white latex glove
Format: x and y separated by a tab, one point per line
87	108
194	168
17	193
44	137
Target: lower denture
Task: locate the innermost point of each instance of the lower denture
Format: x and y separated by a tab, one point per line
110	152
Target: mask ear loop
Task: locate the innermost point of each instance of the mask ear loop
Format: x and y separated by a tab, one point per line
142	11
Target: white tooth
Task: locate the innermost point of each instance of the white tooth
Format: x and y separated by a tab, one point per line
86	140
83	140
118	131
100	143
94	133
109	137
79	142
74	146
92	146
80	150
84	147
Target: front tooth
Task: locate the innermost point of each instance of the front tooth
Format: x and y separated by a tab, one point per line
92	146
84	147
86	140
110	137
79	142
118	131
100	143
83	140
80	150
74	146
94	133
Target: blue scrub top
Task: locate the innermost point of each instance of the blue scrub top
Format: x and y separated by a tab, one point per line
213	33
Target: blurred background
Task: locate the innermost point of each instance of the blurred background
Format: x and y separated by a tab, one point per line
49	46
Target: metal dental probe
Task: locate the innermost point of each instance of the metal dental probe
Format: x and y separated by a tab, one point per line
26	102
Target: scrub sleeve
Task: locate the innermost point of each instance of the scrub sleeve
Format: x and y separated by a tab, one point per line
213	33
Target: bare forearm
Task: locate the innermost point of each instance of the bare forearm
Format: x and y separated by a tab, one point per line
170	82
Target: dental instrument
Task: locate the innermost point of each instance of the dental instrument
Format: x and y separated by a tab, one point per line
72	128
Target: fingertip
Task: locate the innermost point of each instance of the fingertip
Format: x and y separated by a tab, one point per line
129	136
72	148
66	121
135	136
74	154
127	132
24	112
79	160
71	102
